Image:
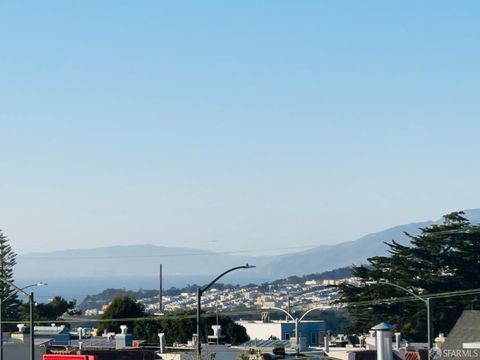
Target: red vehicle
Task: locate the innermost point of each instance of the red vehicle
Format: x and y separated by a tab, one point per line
70	357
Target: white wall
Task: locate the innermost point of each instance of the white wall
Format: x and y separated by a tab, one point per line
262	331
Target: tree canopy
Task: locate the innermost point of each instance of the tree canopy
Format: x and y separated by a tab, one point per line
53	309
177	328
8	295
121	307
442	258
49	311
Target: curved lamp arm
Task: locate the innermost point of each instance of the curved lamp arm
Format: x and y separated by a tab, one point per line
402	288
14	286
279	309
309	311
22	290
206	287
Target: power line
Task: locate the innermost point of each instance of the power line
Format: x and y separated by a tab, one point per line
411	298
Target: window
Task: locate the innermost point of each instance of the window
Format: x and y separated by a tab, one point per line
313	338
287	336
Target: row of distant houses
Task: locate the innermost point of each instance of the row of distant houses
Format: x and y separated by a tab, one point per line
59	340
310	292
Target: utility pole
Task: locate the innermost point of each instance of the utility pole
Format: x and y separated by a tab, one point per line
160	291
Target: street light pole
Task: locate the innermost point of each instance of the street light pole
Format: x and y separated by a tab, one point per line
429	323
200	291
427	303
32	325
297	322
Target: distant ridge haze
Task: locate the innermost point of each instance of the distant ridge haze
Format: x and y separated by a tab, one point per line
144	260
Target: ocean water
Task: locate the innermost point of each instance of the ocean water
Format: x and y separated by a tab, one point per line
78	288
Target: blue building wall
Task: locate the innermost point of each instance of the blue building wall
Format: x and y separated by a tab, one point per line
312	332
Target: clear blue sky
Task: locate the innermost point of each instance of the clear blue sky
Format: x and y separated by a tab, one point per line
233	125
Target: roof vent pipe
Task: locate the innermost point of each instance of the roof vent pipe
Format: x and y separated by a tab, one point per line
397	340
383	341
161	337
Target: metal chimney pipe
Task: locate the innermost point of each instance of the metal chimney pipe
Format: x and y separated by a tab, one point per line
384	341
161	339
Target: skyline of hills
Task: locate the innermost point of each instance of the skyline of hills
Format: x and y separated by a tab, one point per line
144	260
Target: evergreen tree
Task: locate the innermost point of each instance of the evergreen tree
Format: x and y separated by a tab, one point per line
8	295
48	311
121	307
443	257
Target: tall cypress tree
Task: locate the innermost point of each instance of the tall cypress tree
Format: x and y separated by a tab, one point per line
443	257
8	295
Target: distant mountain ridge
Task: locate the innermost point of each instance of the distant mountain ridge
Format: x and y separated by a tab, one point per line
143	260
328	257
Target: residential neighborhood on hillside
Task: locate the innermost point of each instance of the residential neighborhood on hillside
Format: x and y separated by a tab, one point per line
299	292
300	296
